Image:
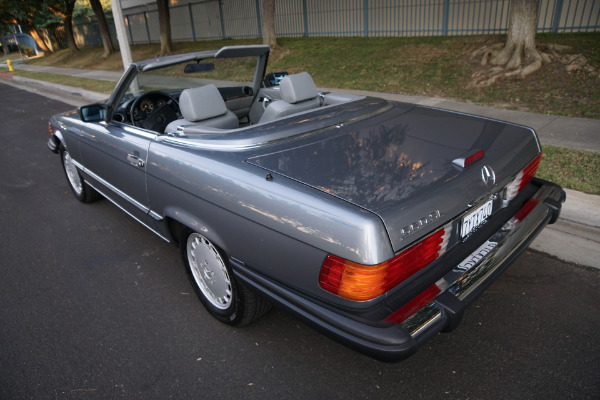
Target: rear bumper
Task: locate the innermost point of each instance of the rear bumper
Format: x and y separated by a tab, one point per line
459	287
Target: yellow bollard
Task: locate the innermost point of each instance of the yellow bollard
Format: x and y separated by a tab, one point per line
10	67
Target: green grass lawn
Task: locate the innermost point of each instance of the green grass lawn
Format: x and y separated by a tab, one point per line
430	66
572	169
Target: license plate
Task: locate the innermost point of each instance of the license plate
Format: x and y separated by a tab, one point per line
475	219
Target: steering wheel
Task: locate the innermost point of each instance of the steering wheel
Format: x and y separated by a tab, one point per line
157	118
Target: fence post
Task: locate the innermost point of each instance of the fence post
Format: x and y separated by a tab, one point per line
305	12
147	28
445	17
221	19
192	22
557	14
129	26
258	20
366	16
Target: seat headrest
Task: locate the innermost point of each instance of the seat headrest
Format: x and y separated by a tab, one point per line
201	103
297	88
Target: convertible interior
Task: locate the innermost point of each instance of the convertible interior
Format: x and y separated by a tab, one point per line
226	93
191	110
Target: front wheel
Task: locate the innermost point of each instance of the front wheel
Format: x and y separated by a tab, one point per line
82	191
214	283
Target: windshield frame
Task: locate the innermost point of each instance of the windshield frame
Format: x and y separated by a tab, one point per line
131	73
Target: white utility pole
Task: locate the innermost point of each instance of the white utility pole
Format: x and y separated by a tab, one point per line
121	33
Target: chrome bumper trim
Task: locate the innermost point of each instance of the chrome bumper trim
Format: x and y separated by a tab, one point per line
502	245
106	196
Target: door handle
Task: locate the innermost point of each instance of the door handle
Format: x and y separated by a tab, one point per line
135	160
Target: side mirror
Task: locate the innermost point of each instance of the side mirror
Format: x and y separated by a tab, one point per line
93	113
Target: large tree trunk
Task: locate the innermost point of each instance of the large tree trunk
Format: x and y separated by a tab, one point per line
4	42
109	48
519	55
164	18
37	37
68	21
519	50
65	10
268	23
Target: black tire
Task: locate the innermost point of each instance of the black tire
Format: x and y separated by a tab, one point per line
81	190
211	276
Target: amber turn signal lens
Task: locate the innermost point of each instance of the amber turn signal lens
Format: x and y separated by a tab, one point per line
351	280
360	282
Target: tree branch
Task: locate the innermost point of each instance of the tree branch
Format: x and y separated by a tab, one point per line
57	11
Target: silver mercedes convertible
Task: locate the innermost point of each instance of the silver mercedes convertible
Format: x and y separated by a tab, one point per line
373	221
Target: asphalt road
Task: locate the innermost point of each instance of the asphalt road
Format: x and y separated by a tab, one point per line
95	306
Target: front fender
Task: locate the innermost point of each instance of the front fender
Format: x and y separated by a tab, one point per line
54	144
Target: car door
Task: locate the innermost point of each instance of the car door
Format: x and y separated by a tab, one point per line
114	156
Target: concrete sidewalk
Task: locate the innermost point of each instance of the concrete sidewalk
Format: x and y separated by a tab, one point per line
574	238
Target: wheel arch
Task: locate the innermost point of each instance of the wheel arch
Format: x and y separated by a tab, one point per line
178	220
58	134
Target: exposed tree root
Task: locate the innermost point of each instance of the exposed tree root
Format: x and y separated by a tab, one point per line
501	61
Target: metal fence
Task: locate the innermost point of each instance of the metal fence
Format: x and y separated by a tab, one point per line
193	20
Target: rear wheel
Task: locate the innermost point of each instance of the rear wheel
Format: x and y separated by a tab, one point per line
82	191
214	283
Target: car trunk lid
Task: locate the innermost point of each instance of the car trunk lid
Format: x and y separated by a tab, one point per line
404	165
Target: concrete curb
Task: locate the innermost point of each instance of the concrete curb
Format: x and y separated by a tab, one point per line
574	238
71	95
85	95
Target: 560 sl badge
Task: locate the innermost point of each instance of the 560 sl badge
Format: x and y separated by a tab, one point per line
420	224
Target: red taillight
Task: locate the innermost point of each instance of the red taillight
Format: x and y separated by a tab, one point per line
522	178
50	130
414	305
529	171
364	282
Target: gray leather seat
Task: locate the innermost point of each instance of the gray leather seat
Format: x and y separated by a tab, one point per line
203	106
298	93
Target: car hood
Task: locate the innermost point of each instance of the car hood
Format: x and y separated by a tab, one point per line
399	164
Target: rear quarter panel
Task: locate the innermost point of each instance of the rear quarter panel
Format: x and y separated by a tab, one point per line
279	228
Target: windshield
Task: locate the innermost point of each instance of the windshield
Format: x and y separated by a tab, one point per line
227	72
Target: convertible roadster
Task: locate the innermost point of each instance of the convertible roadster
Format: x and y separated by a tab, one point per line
375	222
